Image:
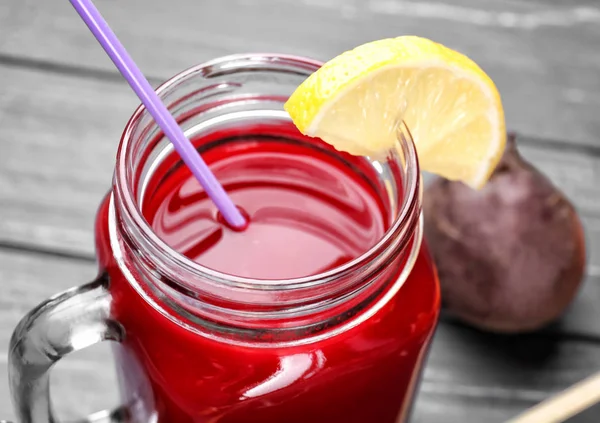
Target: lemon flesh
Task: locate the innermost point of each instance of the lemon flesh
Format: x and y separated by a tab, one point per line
452	108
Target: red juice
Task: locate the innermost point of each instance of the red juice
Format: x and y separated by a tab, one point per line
320	311
307	214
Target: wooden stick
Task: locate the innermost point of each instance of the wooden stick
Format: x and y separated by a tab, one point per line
565	404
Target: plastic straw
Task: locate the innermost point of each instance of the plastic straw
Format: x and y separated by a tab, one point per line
115	50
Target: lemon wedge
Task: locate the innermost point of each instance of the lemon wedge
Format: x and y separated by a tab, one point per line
451	106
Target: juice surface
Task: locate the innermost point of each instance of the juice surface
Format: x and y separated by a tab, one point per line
308	213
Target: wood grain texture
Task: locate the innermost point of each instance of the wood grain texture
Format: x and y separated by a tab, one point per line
470	376
542	54
54	173
60	134
63	107
85	381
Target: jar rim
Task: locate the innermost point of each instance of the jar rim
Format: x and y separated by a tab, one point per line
406	213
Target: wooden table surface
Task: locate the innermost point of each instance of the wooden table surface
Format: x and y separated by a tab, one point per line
63	107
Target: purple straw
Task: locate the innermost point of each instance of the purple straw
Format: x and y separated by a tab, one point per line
115	50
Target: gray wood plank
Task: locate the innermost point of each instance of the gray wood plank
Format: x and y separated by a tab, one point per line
59	132
59	136
83	382
469	377
511	374
58	155
542	54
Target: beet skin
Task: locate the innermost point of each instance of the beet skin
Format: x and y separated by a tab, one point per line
510	256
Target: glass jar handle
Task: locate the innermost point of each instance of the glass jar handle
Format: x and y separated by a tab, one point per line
68	322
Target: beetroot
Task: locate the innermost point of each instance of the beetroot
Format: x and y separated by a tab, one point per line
510	256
